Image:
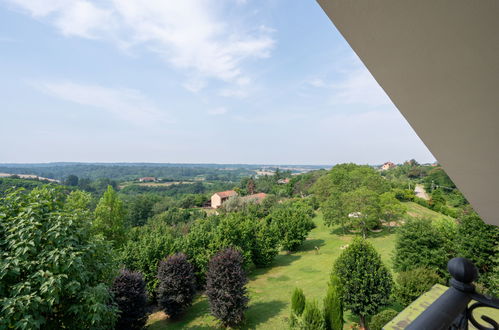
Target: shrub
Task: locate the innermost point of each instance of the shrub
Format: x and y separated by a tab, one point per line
381	319
54	273
365	281
177	284
297	306
312	318
225	287
413	283
333	306
129	290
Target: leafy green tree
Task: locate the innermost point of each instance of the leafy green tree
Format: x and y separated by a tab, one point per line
420	244
54	273
478	242
147	246
71	180
334	211
140	208
362	209
365	281
413	283
110	217
293	221
266	243
391	208
333	306
382	318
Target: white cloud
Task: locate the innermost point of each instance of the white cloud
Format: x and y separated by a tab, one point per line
188	34
218	111
126	104
349	82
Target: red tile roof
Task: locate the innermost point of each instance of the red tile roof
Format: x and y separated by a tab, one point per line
227	193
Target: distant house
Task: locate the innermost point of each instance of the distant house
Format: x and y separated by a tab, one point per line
148	179
218	198
387	166
283	181
255	197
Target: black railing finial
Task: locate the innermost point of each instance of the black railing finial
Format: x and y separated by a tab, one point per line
463	273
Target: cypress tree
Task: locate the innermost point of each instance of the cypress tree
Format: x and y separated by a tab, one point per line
312	318
297	305
333	307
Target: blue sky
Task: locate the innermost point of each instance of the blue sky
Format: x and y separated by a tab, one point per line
201	81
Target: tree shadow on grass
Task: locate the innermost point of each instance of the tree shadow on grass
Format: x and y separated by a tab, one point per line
311	244
280	260
199	308
260	312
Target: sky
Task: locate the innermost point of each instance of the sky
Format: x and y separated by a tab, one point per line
191	81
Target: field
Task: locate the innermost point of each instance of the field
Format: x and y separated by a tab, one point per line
270	288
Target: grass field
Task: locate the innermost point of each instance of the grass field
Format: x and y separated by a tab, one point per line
270	288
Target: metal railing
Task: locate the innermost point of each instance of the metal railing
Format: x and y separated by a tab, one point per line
452	310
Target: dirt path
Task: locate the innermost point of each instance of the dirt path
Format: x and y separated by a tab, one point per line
421	192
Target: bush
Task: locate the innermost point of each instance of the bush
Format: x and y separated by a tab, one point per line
365	281
413	283
297	306
129	290
54	273
333	307
225	287
381	319
297	302
312	318
177	285
266	243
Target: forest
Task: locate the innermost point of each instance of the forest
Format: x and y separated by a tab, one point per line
104	251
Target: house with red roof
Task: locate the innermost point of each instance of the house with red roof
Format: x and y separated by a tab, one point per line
218	198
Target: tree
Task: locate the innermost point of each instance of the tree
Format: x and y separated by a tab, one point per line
140	208
226	287
54	273
250	186
381	319
391	208
293	221
297	306
478	242
177	284
71	180
333	306
312	318
129	291
110	217
266	243
147	246
363	209
334	211
365	281
420	244
413	283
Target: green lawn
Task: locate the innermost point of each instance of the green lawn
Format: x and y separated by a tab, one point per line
270	288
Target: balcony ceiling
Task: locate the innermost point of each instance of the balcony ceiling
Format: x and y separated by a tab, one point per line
438	61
